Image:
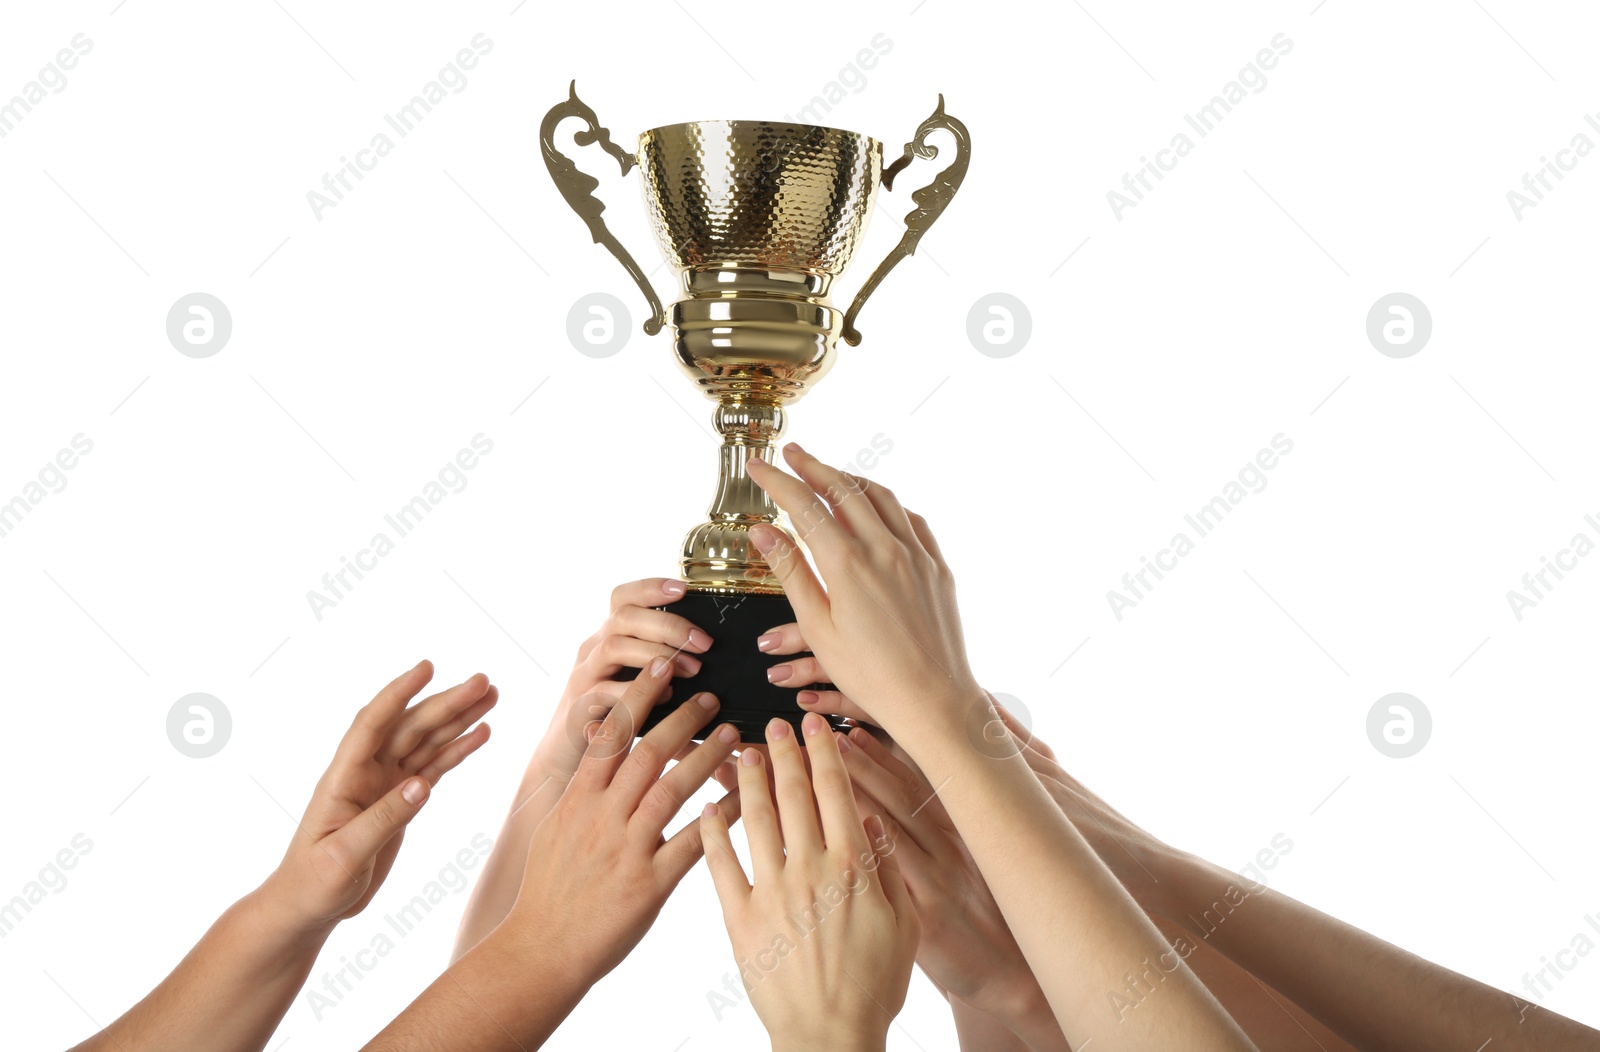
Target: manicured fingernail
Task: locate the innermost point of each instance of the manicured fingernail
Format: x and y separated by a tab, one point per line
844	743
794	447
698	640
750	758
728	734
778	729
808	697
658	667
874	827
813	724
709	812
708	701
676	589
779	673
415	791
768	641
756	460
687	665
763	538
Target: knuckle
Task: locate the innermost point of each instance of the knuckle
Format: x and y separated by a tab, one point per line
647	754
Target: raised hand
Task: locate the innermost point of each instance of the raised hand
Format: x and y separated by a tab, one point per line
233	988
826	936
381	775
598	871
632	634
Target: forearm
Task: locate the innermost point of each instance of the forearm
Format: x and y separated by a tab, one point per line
1376	996
229	993
1271	1020
1082	934
492	896
980	1032
506	994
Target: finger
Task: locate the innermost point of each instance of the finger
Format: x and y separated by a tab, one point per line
446	759
841	826
916	865
727	875
1024	735
813	519
438	738
760	817
616	652
659	626
918	793
797	807
801	672
667	795
727	775
651	754
371	724
357	842
924	533
842	492
833	703
785	639
675	858
904	797
612	739
893	516
434	711
800	582
652	591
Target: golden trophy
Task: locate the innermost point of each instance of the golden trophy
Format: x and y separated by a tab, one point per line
757	218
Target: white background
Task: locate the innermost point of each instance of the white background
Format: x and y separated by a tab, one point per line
371	344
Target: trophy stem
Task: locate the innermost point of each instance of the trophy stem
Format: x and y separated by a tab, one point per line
717	554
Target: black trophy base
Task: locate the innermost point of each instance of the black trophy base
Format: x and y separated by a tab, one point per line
733	669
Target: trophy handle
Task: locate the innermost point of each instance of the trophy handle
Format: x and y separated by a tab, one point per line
578	188
931	201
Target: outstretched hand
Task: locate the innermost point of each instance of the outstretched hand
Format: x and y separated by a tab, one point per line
381	775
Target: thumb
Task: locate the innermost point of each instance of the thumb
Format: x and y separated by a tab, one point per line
360	839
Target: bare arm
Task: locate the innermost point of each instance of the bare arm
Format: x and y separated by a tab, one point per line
1374	996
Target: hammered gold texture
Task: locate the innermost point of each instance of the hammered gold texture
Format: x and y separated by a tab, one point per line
759	194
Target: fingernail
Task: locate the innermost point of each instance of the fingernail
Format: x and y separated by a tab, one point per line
812	724
687	665
707	701
676	589
658	667
709	812
779	673
808	697
793	447
844	743
750	758
728	735
699	640
778	729
415	791
874	827
768	641
763	538
756	460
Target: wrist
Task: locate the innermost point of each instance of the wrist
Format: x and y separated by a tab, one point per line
275	925
839	1039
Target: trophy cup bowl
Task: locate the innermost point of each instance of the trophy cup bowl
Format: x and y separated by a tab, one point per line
757	218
